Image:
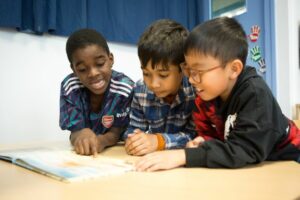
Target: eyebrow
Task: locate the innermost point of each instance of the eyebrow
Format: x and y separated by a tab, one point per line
97	57
163	70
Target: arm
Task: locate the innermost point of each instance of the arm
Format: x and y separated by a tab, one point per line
253	137
254	134
110	138
140	143
86	142
137	142
180	139
137	118
162	160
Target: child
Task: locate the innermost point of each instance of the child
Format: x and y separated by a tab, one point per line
94	99
237	118
161	108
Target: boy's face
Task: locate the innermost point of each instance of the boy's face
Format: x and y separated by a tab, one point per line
92	66
162	82
209	77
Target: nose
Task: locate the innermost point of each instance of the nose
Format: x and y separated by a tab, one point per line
191	80
93	72
155	83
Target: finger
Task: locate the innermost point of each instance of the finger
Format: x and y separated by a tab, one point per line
93	147
129	140
76	148
86	146
189	144
134	141
199	140
128	143
137	145
137	131
154	167
193	144
144	162
144	165
80	147
130	135
140	150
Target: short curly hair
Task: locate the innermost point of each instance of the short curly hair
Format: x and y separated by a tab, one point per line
82	38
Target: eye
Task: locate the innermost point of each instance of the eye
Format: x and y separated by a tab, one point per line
163	75
146	74
81	69
100	64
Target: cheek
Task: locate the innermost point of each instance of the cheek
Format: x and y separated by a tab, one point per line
147	80
173	83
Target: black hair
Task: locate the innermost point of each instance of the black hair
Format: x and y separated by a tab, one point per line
162	43
82	38
222	38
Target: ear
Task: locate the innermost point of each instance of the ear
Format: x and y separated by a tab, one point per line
111	59
236	67
72	68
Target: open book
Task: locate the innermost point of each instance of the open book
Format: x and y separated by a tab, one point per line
65	165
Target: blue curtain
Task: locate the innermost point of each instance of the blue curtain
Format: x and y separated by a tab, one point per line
117	20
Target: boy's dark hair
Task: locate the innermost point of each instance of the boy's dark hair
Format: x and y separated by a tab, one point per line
82	38
162	42
222	38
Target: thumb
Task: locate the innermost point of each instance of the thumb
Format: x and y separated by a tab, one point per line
136	131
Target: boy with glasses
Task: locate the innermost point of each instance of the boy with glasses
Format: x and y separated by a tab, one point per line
237	118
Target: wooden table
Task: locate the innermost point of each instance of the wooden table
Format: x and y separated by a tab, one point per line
269	180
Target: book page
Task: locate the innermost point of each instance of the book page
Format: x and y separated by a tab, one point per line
66	165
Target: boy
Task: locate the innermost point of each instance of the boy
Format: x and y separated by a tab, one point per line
237	118
161	108
94	99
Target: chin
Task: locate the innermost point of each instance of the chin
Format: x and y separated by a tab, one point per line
161	95
99	91
205	98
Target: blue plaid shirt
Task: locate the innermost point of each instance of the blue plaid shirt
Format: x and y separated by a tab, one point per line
75	111
152	115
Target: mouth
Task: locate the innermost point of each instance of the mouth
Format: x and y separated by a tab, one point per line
158	93
96	85
198	91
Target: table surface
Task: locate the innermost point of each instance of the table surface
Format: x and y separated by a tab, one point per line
269	180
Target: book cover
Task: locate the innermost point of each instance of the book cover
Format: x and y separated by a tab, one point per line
65	165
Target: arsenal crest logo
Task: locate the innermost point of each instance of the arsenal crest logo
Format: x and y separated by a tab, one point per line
107	121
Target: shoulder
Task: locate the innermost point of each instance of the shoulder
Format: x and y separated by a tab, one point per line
121	84
256	86
187	88
140	88
252	93
70	84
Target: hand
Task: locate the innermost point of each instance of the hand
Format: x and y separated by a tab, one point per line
160	160
196	142
86	142
140	143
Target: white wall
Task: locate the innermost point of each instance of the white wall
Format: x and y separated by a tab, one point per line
287	22
31	69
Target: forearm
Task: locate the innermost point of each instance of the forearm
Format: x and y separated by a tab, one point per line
111	137
176	140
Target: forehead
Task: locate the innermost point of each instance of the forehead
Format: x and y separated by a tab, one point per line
195	57
160	67
89	51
